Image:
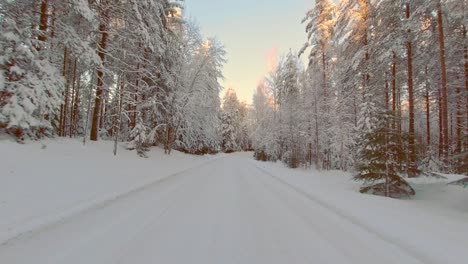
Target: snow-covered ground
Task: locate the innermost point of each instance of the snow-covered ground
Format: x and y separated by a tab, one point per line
42	183
69	203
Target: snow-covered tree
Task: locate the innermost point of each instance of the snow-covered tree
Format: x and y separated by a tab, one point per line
116	69
377	163
230	122
263	132
288	101
31	88
198	131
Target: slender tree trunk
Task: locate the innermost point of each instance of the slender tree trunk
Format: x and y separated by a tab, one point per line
324	62
135	97
88	111
72	110
43	22
365	8
441	129
387	98
76	105
399	130
459	121
451	128
102	111
444	98
52	26
33	24
412	168
466	75
62	107
66	106
120	93
317	135
394	93
355	108
428	112
100	76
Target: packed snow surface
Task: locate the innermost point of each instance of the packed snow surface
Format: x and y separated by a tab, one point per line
62	202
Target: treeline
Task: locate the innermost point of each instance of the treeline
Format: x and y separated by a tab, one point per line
235	123
127	70
385	91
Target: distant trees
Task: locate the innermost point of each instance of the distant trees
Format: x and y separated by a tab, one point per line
128	70
288	110
279	135
234	124
263	131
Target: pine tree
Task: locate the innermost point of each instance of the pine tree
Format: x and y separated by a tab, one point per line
320	29
444	93
230	122
289	94
228	132
105	14
378	158
200	103
263	121
31	86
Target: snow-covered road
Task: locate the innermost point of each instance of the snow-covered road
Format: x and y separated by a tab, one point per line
228	210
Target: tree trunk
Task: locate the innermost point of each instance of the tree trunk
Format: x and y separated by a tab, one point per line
100	75
428	112
317	140
387	98
365	14
118	125
441	129
466	75
66	105
52	26
43	22
135	97
459	121
104	110
444	99
394	92
76	105
72	110
88	111
62	107
412	167
324	62
33	24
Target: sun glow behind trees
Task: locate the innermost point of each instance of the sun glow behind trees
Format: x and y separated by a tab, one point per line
250	30
378	76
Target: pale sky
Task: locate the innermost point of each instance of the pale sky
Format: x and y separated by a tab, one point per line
253	32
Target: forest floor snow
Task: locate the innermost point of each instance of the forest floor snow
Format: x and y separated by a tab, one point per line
69	203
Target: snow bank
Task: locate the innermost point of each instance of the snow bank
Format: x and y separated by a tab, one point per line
433	225
46	182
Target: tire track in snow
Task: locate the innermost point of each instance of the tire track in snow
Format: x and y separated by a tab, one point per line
63	217
314	228
350	219
153	225
151	208
318	257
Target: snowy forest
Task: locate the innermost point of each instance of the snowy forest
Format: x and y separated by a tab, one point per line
129	71
384	92
151	131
